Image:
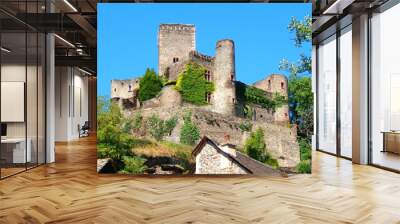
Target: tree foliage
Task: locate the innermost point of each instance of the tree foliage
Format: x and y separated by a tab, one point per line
190	132
192	85
301	99
113	140
255	147
150	85
159	128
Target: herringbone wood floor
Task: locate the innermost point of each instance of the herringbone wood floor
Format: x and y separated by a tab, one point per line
70	191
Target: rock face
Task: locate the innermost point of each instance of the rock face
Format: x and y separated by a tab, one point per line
170	97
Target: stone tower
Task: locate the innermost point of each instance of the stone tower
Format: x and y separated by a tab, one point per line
175	41
276	83
224	77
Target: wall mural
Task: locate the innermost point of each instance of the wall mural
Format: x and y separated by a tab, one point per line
195	115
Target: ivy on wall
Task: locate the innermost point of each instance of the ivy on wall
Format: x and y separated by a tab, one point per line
192	85
250	94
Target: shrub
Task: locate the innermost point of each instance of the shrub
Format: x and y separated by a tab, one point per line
159	128
305	149
170	124
255	145
137	121
134	165
246	126
304	166
192	85
150	85
113	142
190	132
255	148
156	126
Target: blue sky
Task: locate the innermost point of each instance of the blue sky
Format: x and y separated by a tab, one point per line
127	36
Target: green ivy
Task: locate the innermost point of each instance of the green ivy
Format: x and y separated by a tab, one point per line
192	85
253	95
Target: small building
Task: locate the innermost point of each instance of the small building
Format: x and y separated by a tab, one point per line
225	159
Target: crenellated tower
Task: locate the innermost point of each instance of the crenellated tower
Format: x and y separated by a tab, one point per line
175	42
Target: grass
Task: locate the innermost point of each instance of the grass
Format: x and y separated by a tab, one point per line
164	149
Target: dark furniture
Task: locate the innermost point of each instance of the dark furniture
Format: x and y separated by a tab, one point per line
391	141
84	130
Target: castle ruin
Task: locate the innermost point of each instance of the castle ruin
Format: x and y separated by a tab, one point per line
177	48
227	107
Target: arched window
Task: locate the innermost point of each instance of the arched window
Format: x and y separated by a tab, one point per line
282	85
129	88
175	60
269	84
115	89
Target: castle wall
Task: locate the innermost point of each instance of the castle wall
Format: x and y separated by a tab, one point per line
124	88
276	83
174	41
223	77
280	139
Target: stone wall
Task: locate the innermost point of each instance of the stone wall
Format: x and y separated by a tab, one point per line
276	83
174	41
209	161
124	88
280	139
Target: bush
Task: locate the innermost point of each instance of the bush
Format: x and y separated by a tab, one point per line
137	121
150	85
305	149
192	85
246	126
113	142
190	132
134	165
255	145
255	148
170	124
159	128
304	166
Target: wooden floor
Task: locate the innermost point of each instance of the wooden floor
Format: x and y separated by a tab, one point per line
70	191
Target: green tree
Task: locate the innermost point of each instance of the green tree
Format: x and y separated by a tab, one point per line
192	85
300	93
113	141
190	132
255	147
150	85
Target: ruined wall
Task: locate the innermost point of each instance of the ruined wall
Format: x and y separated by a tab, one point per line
209	161
276	83
280	139
124	88
223	77
174	41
